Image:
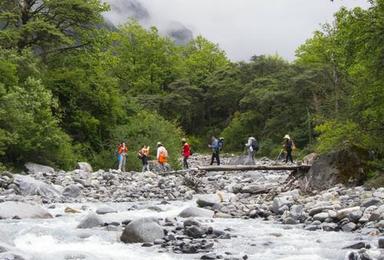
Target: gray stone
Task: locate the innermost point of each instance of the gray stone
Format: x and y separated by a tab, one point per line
84	166
319	209
194	231
90	221
255	189
358	245
12	209
72	191
31	186
142	230
297	212
191	222
208	200
330	227
34	168
349	227
321	216
355	215
343	213
105	210
279	202
196	212
371	202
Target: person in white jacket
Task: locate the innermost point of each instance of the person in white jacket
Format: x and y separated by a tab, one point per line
252	147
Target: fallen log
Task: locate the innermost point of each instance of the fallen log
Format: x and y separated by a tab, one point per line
255	168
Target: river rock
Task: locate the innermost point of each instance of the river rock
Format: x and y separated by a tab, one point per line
12	209
336	167
90	221
255	189
142	230
321	216
279	203
194	231
208	200
34	168
371	202
84	166
105	210
354	216
319	209
297	212
196	212
31	186
349	227
72	191
343	213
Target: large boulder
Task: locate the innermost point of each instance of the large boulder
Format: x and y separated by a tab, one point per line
208	200
31	186
336	167
90	221
84	166
142	230
196	212
72	190
14	209
34	168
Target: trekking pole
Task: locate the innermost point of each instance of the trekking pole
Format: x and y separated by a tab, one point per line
277	158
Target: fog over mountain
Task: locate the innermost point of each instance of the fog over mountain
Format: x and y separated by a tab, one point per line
241	27
122	10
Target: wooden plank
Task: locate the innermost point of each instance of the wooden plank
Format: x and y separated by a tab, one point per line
254	168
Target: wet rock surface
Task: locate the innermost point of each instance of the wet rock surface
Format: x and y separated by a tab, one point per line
262	195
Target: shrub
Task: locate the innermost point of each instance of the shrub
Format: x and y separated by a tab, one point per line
143	128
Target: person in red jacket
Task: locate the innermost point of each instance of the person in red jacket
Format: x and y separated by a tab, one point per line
186	153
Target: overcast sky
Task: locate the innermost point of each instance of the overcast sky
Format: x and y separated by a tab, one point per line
250	27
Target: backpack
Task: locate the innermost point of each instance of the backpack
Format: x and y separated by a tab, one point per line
255	145
220	144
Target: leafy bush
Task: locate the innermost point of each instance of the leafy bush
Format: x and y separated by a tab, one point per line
143	128
28	130
339	135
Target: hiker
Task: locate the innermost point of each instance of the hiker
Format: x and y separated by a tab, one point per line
288	147
143	155
216	147
162	156
252	147
122	151
186	153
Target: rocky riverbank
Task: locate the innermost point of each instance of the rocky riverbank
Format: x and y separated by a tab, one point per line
262	195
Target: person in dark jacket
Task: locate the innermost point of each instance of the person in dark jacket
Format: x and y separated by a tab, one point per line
215	146
288	147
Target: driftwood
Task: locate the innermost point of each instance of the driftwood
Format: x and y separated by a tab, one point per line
299	168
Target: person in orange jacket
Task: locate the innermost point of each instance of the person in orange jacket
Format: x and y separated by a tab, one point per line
186	153
162	155
122	157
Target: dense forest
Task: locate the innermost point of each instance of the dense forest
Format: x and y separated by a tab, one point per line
72	88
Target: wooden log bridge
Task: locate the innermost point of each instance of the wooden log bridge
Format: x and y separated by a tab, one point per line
301	168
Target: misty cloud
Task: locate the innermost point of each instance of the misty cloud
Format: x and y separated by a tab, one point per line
242	28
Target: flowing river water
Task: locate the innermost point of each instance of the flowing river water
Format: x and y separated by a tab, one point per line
58	238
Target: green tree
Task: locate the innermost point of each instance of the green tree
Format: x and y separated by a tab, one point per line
48	25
